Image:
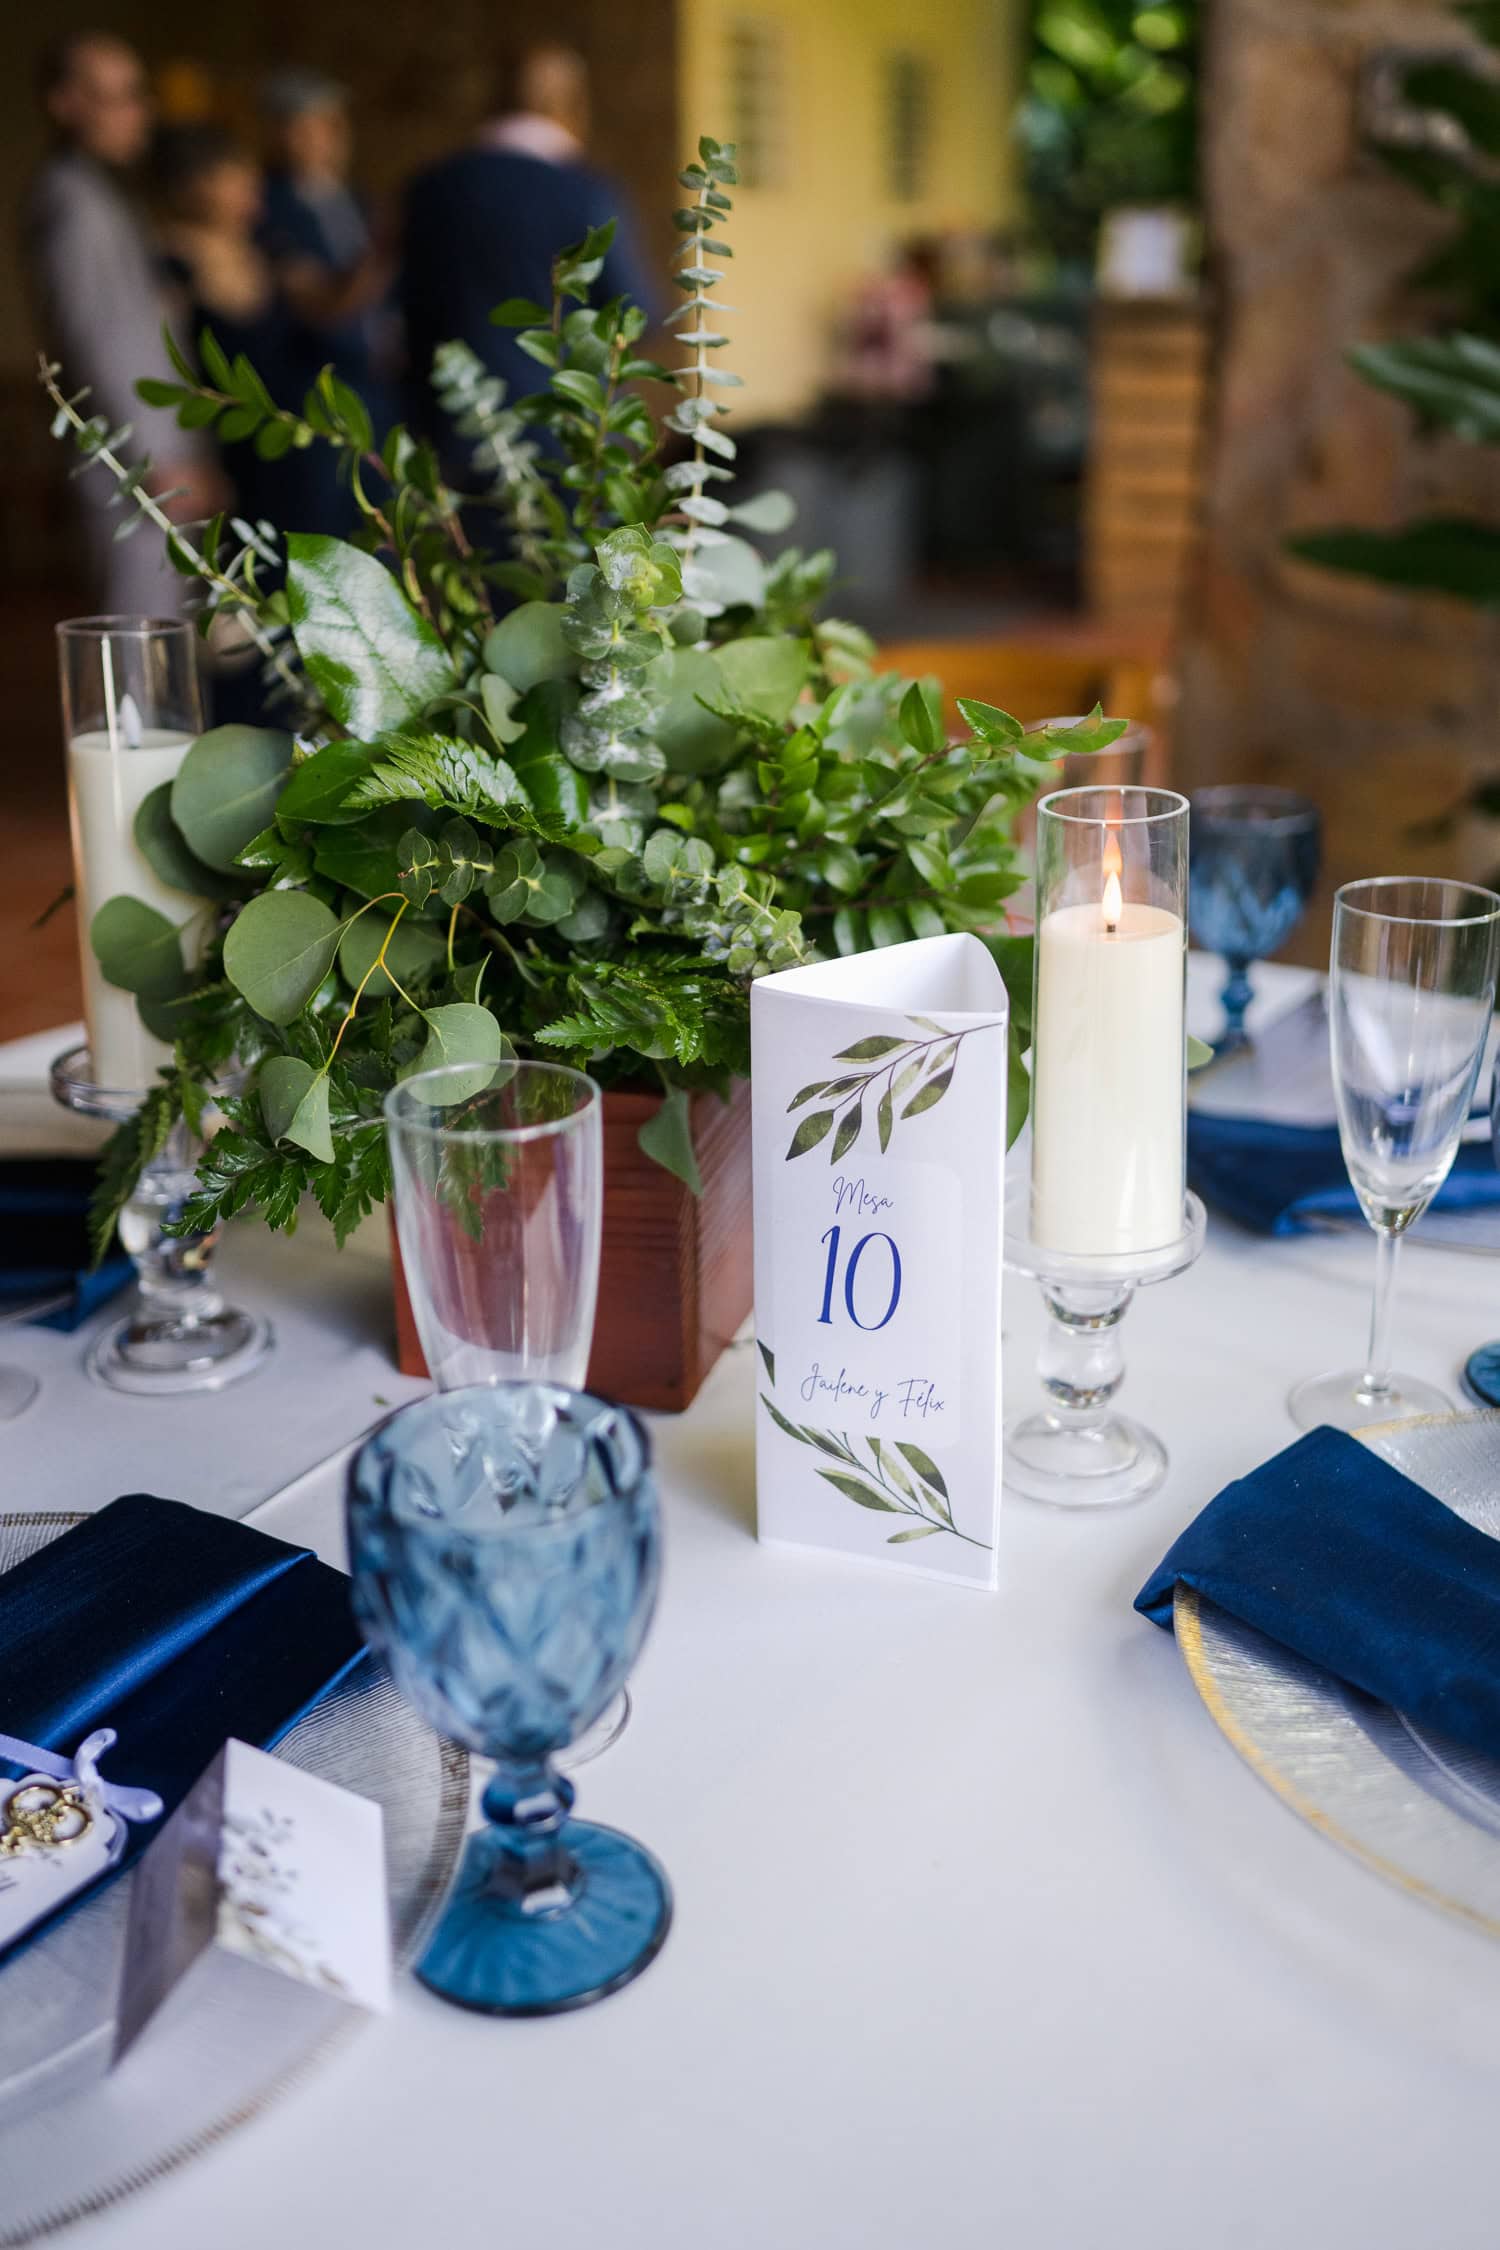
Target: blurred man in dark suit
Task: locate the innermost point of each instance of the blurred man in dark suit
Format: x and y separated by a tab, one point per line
486	223
100	303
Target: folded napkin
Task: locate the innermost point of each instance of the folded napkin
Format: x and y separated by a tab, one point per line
174	1627
1342	1559
44	1244
1280	1179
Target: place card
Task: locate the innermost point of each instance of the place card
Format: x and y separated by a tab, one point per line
879	1089
263	1873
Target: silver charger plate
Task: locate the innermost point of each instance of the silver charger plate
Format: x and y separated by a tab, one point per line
1417	1809
74	2139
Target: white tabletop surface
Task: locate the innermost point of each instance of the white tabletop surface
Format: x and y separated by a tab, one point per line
984	1936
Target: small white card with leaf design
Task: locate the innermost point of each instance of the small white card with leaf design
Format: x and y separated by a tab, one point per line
264	1892
879	1091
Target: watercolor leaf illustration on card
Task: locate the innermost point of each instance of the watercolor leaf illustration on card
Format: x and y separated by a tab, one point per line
889	1478
912	1076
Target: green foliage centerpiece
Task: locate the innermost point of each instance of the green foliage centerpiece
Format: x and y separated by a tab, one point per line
571	786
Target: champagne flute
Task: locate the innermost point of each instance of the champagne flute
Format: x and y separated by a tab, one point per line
1410	996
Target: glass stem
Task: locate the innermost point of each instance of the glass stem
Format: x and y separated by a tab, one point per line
1236	997
1377	1380
529	1867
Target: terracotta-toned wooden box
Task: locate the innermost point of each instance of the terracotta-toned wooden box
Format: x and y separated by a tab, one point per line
676	1274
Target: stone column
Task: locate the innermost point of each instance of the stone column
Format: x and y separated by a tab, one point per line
1382	706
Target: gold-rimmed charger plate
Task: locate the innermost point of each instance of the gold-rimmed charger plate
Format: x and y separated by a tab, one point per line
73	2140
1416	1809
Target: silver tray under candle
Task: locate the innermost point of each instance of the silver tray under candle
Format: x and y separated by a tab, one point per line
1415	1808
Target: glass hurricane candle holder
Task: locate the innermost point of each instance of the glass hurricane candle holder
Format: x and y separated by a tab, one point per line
131	711
1109	1052
179	1335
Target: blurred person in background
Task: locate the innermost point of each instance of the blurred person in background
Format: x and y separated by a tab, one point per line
317	233
485	224
100	305
210	202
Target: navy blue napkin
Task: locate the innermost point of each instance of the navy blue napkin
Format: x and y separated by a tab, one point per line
176	1628
1279	1179
44	1241
1341	1558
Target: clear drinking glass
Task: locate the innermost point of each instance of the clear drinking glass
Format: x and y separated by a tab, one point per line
1410	996
1256	853
499	1175
505	1547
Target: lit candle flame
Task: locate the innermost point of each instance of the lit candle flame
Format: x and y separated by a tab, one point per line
1113	904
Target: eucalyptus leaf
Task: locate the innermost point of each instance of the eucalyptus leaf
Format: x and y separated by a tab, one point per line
768	512
729	574
372	658
279	948
694	740
667	1137
414	951
226	790
137	949
168	853
461	1033
294	1105
765	672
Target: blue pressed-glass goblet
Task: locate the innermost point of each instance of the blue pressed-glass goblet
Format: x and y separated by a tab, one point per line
505	1547
1254	856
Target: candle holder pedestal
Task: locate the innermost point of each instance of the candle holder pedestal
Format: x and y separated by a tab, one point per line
1078	1452
179	1336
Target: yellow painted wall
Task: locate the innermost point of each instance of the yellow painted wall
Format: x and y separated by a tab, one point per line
800	246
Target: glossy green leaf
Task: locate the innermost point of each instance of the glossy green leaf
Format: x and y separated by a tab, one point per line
375	662
137	949
318	786
279	949
499	699
225	791
693	739
168	853
730	575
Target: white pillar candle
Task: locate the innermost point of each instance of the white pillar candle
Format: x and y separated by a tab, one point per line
108	779
1109	1077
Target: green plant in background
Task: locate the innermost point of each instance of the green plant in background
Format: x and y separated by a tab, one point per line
1451	380
1109	114
583	825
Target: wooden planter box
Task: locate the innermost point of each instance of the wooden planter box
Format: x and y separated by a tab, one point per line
676	1273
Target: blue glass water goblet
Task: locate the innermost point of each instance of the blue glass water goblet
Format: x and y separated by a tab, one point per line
1254	855
505	1546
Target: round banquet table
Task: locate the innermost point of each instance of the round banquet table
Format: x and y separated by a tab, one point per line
984	1935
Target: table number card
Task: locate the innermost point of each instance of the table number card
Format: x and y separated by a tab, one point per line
879	1129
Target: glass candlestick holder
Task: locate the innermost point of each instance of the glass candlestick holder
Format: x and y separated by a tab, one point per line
179	1335
1078	1451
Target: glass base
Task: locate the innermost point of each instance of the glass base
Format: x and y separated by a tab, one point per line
1342	1401
1107	1465
17	1390
153	1357
489	1953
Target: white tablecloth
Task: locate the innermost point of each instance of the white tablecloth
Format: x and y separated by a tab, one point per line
984	1938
